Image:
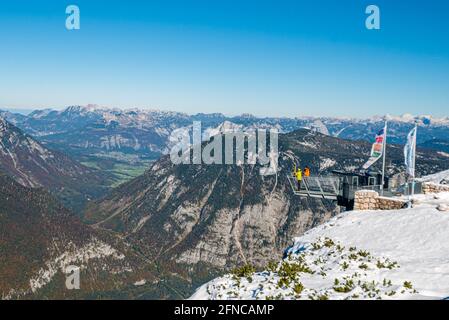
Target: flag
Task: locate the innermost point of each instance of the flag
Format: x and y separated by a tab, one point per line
378	148
410	153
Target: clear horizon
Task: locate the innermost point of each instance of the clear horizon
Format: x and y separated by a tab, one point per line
26	111
260	57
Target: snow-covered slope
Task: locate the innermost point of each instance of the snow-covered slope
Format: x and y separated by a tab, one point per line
357	255
438	178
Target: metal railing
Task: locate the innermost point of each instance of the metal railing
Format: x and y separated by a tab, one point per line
317	187
334	187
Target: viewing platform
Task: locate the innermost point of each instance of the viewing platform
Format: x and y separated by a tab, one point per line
342	186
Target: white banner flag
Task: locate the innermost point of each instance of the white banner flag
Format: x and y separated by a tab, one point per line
410	152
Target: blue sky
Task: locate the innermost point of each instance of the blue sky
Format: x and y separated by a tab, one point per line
276	58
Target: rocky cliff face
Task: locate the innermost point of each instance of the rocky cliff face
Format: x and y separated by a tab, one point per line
192	218
33	165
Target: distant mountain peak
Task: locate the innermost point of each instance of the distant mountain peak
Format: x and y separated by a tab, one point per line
422	120
95	108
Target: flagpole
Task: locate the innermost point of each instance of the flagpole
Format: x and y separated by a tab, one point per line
414	160
383	161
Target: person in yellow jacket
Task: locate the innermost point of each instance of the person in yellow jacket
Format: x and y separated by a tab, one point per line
298	175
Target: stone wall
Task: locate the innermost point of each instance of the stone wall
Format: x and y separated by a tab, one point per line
429	187
370	200
390	204
365	200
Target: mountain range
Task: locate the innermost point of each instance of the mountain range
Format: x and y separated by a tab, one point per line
111	137
159	230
